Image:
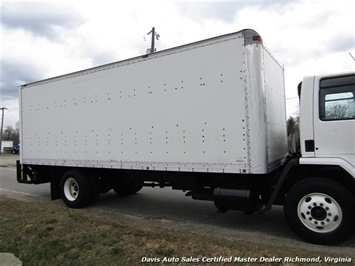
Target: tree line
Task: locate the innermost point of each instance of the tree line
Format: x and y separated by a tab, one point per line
11	133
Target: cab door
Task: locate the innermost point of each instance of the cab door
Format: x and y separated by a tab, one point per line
334	123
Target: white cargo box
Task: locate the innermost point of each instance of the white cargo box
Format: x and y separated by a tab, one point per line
217	105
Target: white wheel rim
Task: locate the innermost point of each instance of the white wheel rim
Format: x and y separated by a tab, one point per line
319	212
71	189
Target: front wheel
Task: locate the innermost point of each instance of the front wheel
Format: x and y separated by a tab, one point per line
320	211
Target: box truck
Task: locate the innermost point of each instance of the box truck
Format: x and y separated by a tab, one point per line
207	118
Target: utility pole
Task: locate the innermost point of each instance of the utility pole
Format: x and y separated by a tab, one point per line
154	35
2	126
152	47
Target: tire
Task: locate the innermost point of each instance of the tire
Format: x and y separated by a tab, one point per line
320	211
75	189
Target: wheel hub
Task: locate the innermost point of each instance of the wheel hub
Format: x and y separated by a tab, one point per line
319	212
71	189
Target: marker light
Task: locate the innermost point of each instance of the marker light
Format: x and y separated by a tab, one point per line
257	38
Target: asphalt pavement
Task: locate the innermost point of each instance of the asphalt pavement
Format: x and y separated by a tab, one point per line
8	160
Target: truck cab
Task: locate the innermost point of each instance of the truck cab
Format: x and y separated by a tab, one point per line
327	121
320	204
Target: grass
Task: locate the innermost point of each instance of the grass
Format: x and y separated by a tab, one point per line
49	234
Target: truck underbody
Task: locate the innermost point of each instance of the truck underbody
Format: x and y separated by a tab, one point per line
245	192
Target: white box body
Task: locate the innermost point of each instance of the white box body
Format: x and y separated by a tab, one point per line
217	105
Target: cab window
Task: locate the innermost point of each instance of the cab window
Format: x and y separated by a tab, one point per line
337	100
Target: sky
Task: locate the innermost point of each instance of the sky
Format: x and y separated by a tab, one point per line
44	39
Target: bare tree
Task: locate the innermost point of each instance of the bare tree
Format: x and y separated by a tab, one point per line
336	111
293	135
12	134
293	125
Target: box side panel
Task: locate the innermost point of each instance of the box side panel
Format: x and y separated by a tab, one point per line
266	112
275	111
183	111
256	116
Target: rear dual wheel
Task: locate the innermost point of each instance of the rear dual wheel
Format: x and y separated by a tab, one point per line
78	189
